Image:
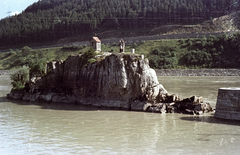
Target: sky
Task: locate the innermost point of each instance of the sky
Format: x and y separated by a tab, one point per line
13	6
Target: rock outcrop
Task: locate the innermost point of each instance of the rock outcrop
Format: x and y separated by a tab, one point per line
118	80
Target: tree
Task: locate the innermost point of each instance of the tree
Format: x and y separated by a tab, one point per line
162	59
20	77
36	66
88	57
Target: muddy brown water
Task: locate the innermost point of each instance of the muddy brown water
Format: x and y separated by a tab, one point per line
42	128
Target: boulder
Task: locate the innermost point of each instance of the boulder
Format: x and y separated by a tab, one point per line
158	108
16	94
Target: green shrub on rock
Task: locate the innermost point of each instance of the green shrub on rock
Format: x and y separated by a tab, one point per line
20	77
88	57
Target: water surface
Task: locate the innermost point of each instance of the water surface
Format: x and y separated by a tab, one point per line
205	86
42	128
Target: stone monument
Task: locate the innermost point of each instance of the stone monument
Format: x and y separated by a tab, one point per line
121	45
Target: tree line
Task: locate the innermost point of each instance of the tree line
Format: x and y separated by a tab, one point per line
48	20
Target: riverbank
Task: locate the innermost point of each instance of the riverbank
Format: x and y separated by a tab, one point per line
184	72
5	72
198	72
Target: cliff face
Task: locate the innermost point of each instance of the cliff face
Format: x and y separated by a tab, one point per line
118	80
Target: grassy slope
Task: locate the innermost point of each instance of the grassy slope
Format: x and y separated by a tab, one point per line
14	59
215	52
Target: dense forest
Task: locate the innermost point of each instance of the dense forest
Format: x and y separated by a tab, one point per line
48	20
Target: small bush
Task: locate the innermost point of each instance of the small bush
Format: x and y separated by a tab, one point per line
111	50
134	45
25	51
17	85
91	60
20	77
88	57
162	59
11	52
36	65
197	58
73	47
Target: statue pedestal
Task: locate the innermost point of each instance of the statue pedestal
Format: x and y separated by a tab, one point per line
228	103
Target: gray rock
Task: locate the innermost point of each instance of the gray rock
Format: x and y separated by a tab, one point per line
123	81
206	107
16	94
27	97
138	105
158	108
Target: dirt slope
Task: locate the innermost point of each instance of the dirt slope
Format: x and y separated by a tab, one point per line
225	23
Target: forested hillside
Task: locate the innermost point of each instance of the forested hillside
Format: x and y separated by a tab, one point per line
48	20
221	51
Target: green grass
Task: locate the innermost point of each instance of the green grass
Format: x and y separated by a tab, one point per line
212	52
15	59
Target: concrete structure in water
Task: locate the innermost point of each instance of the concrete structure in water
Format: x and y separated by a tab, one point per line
228	103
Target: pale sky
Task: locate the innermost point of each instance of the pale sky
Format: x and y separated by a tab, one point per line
13	6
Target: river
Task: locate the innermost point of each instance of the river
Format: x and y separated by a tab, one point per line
42	128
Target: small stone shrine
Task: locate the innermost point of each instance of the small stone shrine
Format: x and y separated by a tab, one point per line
95	42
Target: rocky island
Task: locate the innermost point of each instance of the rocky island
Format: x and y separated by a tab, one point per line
123	81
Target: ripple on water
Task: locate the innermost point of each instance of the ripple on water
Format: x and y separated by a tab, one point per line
31	129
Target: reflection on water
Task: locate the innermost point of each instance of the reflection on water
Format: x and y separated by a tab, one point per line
42	128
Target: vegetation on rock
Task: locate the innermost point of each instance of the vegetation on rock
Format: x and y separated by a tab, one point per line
88	57
125	82
20	77
36	65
